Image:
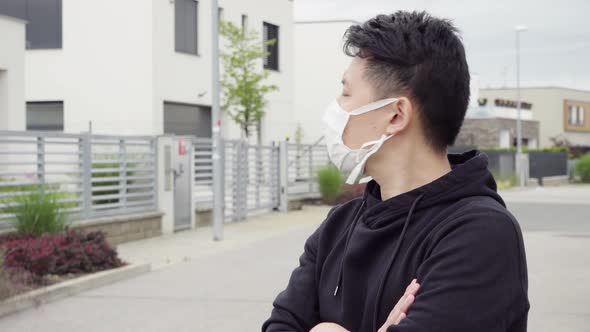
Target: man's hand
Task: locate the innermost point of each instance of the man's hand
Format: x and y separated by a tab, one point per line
399	311
395	316
328	327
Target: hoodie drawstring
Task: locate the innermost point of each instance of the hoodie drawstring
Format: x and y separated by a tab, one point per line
352	226
394	254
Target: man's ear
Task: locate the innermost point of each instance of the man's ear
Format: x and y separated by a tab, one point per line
400	114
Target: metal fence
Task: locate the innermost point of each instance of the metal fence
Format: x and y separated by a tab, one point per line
252	175
304	160
95	175
99	175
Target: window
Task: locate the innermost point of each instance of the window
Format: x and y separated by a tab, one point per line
575	115
186	26
271	32
570	114
220	14
244	22
44	27
45	116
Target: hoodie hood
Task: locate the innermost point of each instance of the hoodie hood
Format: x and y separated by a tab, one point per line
469	176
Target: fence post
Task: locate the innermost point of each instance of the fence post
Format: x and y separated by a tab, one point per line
154	150
245	180
235	180
122	174
86	164
310	166
274	170
283	176
41	159
259	172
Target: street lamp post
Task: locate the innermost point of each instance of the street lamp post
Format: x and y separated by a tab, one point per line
520	169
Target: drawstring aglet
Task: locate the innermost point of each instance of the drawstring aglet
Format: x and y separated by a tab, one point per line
336	291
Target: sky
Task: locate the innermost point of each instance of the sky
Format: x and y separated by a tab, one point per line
555	50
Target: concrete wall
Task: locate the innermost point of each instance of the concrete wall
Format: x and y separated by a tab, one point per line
547	109
12	73
125	228
118	229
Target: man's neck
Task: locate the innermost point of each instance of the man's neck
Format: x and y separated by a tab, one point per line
403	174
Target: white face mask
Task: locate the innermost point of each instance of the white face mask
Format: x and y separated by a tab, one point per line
349	161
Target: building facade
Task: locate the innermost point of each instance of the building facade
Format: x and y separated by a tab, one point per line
562	113
142	67
12	73
493	124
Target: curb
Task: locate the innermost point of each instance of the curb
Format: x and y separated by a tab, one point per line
71	287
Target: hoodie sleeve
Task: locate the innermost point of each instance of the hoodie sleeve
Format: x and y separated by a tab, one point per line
296	308
474	279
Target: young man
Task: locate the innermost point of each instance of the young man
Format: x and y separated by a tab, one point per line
430	246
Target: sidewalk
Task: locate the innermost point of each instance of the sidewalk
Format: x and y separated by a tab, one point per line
188	245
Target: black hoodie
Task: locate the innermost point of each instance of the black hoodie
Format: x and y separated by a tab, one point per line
453	234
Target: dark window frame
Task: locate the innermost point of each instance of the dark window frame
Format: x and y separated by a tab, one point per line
271	31
181	27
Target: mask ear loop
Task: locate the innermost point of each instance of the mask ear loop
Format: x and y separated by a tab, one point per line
359	167
368	144
372	106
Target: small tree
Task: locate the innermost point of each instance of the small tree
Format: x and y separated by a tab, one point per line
242	82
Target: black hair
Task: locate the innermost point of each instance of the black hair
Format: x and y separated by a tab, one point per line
422	57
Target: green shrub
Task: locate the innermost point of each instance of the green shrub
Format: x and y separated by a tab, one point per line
583	168
37	212
330	181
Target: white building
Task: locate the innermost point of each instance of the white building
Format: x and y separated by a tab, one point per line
12	73
320	63
141	67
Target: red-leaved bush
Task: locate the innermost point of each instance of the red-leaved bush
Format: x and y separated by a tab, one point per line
69	252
